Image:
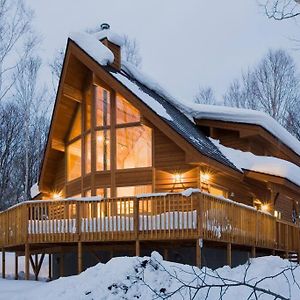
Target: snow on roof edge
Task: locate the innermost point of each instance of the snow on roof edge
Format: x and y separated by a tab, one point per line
261	164
111	36
246	116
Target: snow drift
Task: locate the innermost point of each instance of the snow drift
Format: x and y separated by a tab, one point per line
152	278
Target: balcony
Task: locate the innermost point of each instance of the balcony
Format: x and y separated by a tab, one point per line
158	217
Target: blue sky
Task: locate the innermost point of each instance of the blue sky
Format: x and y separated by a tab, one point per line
184	44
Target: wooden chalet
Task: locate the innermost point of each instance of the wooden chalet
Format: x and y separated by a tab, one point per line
128	169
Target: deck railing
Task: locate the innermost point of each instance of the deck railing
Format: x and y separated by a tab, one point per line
165	217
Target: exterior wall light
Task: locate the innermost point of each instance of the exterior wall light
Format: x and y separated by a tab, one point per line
56	195
205	177
265	207
177	178
177	181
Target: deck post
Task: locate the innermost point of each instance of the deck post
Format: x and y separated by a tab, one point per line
3	263
27	257
253	252
50	266
198	253
16	266
61	265
137	248
79	257
229	255
166	254
36	262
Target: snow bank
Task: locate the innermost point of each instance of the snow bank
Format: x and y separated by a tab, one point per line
93	48
151	278
262	164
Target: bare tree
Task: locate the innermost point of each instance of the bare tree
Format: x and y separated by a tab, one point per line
33	103
281	9
272	86
205	95
17	41
131	51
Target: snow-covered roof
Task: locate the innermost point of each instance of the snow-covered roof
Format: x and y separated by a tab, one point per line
93	47
245	116
111	36
262	164
34	190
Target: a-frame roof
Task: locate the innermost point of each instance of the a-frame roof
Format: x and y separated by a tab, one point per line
175	120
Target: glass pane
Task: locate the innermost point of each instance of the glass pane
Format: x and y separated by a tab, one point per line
103	192
88	153
129	191
134	147
88	109
74	160
76	126
102	107
126	113
103	150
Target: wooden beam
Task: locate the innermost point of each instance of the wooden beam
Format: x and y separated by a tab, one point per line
50	266
3	263
253	252
58	145
229	255
16	266
198	253
27	255
72	93
79	257
137	248
61	265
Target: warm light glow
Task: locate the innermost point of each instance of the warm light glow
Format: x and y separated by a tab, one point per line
265	207
205	177
177	177
56	195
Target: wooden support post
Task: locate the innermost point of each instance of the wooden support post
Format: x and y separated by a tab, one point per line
137	248
16	266
27	257
36	262
61	265
286	254
198	253
229	255
253	252
166	254
50	266
3	263
79	257
273	252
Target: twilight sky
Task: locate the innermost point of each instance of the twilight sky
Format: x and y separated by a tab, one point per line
183	44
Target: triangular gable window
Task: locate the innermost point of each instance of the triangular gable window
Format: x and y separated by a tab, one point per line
76	127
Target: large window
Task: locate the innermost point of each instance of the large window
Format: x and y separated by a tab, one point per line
128	191
126	113
74	160
103	150
102	107
88	153
134	147
76	126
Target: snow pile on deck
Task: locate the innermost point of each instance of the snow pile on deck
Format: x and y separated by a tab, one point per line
152	278
262	164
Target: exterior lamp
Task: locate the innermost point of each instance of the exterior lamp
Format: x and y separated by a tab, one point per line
265	207
177	177
56	196
205	177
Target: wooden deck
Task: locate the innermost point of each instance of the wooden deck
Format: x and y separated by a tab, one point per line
157	218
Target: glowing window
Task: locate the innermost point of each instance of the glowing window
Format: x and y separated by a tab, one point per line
126	113
102	107
76	126
103	150
134	147
74	160
129	191
88	153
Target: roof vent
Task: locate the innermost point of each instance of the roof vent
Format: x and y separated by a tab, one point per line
105	26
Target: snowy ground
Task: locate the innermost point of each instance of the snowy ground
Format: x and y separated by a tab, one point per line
153	278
